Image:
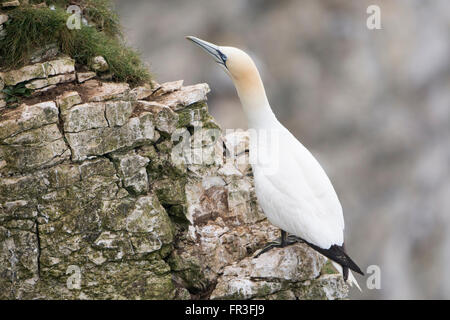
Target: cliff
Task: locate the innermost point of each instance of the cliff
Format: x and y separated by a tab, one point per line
116	190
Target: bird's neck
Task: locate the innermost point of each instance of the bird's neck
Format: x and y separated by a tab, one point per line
252	94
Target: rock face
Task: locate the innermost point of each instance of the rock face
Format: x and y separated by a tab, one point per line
108	192
45	71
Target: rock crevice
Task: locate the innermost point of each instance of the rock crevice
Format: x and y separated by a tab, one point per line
112	192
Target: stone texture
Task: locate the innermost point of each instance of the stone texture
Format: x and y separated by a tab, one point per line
165	119
332	87
118	112
269	273
326	287
84	76
33	149
27	117
2	32
137	131
101	91
134	199
3	18
14	3
167	87
184	97
41	83
99	64
59	66
26	73
84	117
141	92
132	169
67	100
39	70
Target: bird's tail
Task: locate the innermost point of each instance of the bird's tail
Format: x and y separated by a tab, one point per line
351	279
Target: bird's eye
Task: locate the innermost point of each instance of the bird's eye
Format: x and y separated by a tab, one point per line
223	57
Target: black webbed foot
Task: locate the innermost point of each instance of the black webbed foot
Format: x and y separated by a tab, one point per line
281	242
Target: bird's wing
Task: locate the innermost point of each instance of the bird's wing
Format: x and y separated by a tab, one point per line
318	181
304	201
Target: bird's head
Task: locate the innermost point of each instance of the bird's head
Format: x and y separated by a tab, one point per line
236	63
242	70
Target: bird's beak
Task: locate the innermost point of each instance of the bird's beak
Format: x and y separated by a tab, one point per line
210	48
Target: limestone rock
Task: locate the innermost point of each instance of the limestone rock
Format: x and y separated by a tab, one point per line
28	117
2	32
167	87
41	83
138	197
67	100
84	76
39	91
13	77
141	92
237	146
101	91
84	117
3	18
39	70
131	168
184	97
13	3
18	257
325	287
33	149
196	115
62	65
118	112
99	64
237	142
137	131
269	273
165	119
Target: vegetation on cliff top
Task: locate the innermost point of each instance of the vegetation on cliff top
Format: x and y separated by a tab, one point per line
29	28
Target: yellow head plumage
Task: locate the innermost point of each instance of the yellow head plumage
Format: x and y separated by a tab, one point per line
242	70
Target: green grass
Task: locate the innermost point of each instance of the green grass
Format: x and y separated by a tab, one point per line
98	12
105	19
31	28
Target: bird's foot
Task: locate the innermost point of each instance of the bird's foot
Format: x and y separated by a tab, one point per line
279	243
294	239
268	247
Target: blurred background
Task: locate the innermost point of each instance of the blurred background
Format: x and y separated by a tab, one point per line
372	105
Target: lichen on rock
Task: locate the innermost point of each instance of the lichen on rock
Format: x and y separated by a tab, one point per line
115	192
94	185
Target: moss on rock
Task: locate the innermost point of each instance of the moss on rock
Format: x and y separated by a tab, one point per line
35	27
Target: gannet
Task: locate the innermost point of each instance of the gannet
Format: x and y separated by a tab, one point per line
295	193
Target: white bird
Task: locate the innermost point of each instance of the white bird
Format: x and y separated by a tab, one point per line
293	190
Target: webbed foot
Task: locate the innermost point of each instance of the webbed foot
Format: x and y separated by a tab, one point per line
281	242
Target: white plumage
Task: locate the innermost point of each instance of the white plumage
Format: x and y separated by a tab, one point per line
298	197
293	190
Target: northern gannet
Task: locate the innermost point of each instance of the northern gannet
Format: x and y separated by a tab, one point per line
297	196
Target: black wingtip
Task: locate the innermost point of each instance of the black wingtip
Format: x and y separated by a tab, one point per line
357	269
345	273
338	254
346	261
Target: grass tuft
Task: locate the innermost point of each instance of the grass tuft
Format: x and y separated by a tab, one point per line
31	28
98	12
